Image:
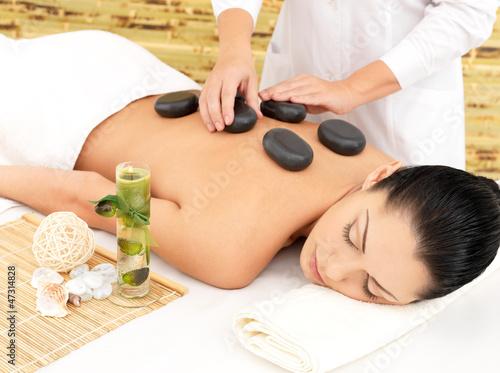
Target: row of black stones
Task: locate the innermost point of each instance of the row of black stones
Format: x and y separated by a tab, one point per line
283	146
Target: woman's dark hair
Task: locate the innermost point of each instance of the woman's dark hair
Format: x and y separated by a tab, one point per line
455	217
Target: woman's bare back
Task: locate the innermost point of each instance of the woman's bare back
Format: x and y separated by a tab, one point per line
227	190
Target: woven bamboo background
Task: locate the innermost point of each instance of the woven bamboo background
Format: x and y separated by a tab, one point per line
42	340
183	34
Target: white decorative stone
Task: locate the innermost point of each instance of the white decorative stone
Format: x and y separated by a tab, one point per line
79	271
104	269
108	270
76	286
93	279
87	295
102	292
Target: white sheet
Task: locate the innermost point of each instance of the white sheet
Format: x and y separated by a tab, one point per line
194	333
6	204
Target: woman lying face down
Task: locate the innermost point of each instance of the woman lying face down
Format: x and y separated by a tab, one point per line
418	234
221	208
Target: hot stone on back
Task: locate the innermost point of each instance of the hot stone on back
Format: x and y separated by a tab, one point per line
287	149
283	111
341	137
240	97
176	104
244	118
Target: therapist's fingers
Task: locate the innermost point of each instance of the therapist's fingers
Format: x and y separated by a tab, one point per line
296	91
313	103
318	95
231	71
283	90
332	96
214	108
227	97
251	96
204	106
210	106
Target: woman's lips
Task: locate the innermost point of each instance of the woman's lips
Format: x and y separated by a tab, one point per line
314	267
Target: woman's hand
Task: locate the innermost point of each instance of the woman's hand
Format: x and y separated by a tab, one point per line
318	95
234	71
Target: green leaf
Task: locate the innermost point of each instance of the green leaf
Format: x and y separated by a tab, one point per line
109	197
130	247
136	277
137	218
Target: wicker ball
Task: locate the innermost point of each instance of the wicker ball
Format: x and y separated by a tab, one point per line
63	241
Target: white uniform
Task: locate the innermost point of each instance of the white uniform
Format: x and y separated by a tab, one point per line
420	40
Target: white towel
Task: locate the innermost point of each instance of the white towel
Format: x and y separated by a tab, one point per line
6	204
55	89
315	329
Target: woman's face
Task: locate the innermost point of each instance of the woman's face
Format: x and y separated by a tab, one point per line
364	252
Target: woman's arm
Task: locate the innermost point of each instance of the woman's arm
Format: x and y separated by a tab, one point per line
48	190
188	243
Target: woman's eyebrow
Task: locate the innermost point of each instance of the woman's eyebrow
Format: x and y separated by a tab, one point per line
365	232
363	249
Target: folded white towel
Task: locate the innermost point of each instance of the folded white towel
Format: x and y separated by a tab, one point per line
315	329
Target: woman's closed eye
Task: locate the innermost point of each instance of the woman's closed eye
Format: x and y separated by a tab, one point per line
367	291
345	232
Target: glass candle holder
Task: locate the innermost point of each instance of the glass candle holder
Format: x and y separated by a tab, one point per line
133	255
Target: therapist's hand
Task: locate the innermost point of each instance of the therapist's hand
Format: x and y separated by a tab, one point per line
318	95
367	84
234	71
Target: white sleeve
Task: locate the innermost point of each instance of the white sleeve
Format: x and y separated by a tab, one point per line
448	30
251	6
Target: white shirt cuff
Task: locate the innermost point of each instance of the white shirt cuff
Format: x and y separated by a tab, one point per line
405	63
251	6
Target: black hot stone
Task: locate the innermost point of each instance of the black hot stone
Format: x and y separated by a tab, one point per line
283	111
341	137
244	118
287	149
176	104
240	97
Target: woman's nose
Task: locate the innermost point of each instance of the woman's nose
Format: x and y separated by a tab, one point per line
341	267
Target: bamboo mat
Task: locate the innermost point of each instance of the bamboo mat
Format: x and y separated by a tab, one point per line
42	340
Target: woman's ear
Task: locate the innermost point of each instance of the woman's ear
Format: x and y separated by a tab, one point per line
381	173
